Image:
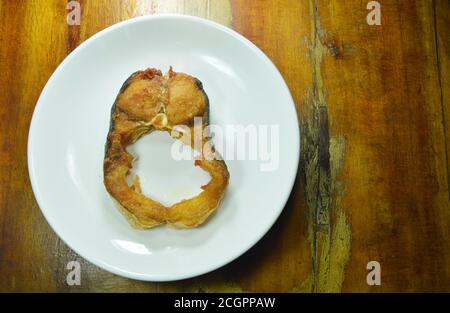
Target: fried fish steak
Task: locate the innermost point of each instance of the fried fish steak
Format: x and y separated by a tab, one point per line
149	101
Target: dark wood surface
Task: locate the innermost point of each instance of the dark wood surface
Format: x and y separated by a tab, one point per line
373	182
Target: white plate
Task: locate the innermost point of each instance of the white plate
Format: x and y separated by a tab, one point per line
71	120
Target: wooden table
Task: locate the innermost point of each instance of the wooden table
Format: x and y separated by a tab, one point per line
373	184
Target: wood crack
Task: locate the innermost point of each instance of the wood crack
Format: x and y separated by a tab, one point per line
439	78
330	241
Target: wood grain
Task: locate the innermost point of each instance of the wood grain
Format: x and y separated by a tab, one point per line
442	35
373	103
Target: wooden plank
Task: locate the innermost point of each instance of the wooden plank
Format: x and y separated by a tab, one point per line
26	242
373	160
381	87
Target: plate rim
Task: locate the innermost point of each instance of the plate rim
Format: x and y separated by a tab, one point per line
155	277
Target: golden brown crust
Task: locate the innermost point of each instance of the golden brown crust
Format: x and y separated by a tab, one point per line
186	99
148	101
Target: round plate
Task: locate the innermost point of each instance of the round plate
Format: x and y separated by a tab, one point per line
71	120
